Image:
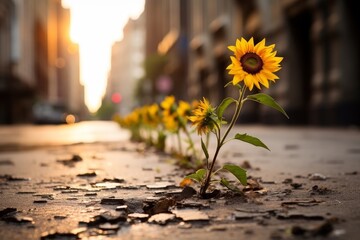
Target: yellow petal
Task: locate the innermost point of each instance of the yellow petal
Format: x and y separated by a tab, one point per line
259	46
251	45
248	81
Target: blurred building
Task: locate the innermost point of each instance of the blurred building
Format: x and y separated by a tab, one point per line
127	59
319	81
37	60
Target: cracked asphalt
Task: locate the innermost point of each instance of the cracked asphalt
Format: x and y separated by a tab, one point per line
87	181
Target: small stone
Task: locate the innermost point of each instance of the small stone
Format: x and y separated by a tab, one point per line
40	201
317	177
287	181
296	185
59	217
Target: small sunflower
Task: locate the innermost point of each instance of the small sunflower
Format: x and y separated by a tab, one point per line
168	104
253	64
204	117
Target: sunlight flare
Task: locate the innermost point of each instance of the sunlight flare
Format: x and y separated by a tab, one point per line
95	26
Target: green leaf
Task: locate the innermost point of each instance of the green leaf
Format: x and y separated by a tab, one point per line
204	149
198	175
227	184
238	172
267	101
250	139
223	105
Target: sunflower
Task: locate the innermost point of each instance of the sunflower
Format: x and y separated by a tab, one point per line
204	117
253	64
168	104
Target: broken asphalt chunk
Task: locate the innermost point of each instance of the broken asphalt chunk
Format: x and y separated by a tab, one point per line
115	180
319	190
112	201
161	218
324	229
89	194
71	161
160	185
192	204
239	215
26	192
188	215
138	216
7	211
88	174
17	219
160	206
106	217
302	203
14	179
109	227
299	216
58	235
186	192
70	191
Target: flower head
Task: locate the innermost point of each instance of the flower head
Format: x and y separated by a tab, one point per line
253	64
204	117
168	104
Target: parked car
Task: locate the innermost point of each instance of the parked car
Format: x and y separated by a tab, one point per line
52	113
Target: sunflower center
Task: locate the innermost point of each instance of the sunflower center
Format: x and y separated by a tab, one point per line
251	63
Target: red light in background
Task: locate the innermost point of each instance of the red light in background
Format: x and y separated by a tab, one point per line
116	98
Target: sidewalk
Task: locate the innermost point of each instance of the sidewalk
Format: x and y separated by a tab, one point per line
90	187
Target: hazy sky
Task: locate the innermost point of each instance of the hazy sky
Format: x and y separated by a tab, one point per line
95	26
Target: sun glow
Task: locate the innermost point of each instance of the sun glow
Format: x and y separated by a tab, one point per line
95	26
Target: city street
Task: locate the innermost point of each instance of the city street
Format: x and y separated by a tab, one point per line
88	181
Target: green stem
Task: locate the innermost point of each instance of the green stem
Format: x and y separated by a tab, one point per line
239	105
192	146
220	143
179	142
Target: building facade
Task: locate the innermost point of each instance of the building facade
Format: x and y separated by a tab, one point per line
38	62
127	58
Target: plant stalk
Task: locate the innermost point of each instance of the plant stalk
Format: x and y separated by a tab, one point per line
220	143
